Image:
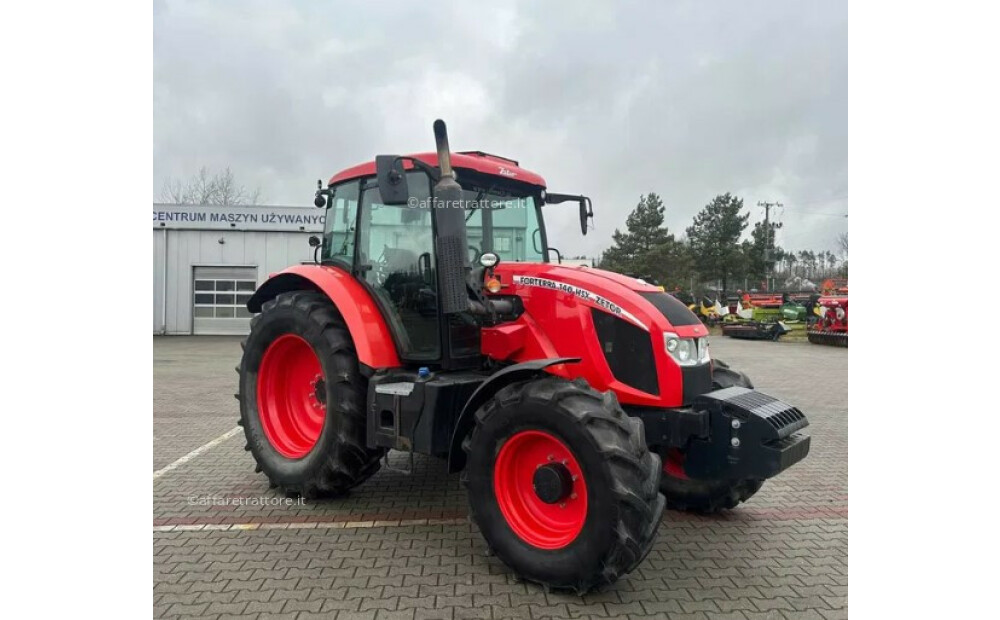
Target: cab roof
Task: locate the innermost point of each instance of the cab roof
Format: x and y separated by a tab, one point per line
469	160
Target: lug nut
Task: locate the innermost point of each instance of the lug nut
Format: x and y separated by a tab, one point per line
735	441
736	423
572	495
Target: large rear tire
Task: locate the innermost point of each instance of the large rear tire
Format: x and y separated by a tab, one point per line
706	496
561	483
302	398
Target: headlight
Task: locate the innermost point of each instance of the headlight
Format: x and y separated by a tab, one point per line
686	351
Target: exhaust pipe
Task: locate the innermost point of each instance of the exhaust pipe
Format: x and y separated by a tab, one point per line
443	150
450	245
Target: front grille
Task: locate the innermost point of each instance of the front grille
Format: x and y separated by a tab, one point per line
628	350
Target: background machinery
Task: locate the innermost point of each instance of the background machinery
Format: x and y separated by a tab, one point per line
575	402
831	327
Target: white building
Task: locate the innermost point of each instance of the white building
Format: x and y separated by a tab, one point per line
208	260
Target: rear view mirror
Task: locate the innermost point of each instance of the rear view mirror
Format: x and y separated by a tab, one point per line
391	180
586	211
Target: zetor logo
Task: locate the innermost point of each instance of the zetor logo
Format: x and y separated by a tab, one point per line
507	172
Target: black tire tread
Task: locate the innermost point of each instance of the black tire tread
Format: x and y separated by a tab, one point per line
350	462
621	440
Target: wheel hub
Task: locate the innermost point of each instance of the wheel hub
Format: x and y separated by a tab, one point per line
540	489
319	390
553	483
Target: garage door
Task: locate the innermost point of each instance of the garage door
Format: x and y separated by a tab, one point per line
220	299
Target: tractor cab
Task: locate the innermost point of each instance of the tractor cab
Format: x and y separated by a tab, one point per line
381	224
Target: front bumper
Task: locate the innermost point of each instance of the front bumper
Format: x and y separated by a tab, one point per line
733	433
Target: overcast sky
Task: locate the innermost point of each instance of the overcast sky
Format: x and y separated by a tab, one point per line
608	99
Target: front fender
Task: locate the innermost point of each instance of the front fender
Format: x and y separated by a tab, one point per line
372	338
467	419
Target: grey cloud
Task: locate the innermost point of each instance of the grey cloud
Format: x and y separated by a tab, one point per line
687	99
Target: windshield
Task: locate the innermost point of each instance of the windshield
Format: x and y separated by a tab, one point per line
500	222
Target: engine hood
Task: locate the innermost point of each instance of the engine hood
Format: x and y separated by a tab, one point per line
613	323
634	300
588	272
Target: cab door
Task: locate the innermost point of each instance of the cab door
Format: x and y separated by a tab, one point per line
395	258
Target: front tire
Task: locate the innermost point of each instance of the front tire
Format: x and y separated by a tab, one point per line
706	496
302	398
561	483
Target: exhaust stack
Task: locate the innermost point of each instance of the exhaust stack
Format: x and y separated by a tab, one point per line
450	244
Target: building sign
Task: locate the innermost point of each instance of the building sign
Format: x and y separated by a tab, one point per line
197	217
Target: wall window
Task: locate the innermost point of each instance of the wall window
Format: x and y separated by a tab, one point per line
223	292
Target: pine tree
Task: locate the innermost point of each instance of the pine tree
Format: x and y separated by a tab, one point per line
630	251
715	238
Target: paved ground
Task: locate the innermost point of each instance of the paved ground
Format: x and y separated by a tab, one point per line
401	547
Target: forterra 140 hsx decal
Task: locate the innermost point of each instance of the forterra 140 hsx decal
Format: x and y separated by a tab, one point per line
587	297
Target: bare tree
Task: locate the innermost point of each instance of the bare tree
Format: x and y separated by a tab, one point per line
842	243
229	192
208	188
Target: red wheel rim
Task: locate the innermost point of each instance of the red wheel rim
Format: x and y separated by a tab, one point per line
540	524
291	396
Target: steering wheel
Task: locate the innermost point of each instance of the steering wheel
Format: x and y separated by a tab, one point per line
475	254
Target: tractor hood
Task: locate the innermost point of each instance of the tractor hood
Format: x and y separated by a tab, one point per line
613	322
634	300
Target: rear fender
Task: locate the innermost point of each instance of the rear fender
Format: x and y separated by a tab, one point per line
372	339
467	419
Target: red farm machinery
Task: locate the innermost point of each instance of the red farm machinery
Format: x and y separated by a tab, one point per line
831	327
576	403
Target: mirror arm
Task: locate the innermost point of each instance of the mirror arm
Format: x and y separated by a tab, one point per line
554	199
431	171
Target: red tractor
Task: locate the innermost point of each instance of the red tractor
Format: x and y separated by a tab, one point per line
572	400
831	327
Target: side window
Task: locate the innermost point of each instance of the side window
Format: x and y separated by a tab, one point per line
341	215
